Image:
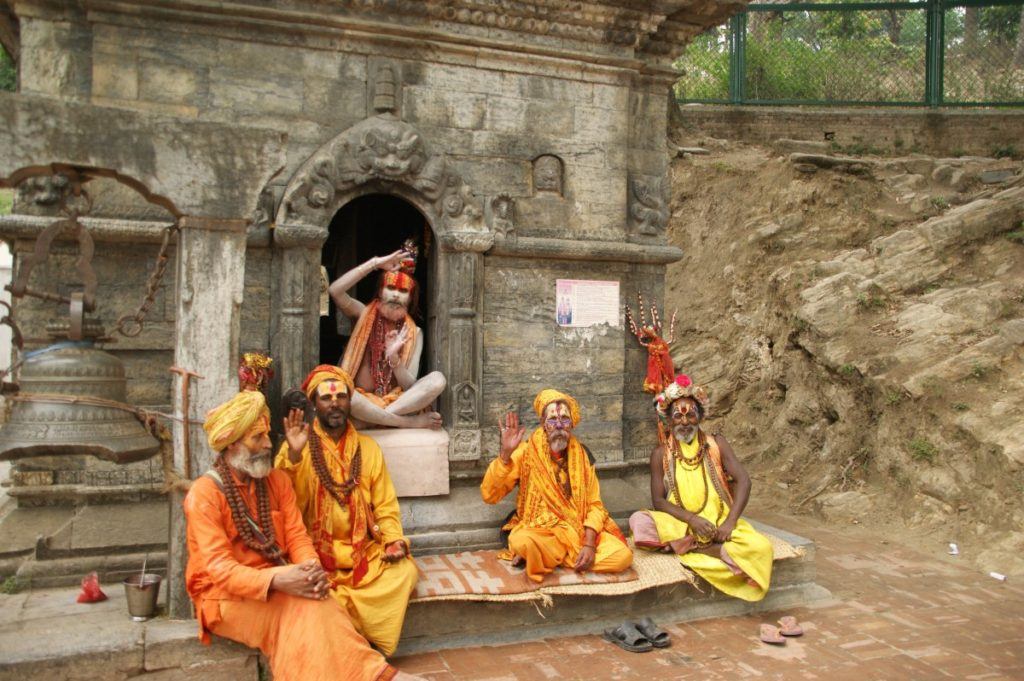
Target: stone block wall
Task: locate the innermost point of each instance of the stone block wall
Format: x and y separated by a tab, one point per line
945	132
491	112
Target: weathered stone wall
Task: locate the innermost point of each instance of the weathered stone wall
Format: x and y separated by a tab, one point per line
939	133
501	97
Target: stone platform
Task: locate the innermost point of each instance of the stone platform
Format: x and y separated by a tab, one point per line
45	635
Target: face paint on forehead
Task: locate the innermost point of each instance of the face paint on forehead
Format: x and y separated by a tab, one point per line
331	388
557	409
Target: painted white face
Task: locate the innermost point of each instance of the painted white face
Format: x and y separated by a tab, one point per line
256	465
395	296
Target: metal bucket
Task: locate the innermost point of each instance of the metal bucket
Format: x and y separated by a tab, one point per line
142	591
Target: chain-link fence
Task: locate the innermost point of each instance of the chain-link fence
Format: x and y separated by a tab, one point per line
958	52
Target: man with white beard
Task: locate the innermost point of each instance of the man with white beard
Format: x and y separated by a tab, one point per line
253	573
383	353
699	490
559	518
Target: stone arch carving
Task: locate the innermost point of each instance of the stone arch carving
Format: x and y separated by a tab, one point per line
388	155
383	154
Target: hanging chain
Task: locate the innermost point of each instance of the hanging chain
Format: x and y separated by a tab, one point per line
131	324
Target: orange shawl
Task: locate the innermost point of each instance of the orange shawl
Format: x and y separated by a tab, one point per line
540	495
356	348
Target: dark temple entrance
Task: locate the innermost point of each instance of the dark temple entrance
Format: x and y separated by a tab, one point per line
372	225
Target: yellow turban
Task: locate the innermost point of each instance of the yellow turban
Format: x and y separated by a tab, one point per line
326	372
230	421
546	397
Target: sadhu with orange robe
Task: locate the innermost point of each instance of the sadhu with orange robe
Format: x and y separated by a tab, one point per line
350	508
252	572
559	518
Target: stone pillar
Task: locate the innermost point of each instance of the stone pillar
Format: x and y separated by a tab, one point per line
463	276
295	335
211	269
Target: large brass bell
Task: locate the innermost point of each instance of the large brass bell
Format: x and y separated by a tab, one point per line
47	420
70	396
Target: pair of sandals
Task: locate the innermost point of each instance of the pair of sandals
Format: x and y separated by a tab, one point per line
788	627
638	637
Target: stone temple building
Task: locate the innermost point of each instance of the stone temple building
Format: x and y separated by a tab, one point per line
518	142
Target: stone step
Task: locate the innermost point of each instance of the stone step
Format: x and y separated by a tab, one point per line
436	625
45	635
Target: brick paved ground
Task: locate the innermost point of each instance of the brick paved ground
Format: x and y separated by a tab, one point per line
898	614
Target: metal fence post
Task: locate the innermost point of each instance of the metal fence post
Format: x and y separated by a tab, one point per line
738	58
935	35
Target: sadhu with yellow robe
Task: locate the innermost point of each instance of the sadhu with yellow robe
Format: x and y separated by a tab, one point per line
696	513
252	572
559	518
350	508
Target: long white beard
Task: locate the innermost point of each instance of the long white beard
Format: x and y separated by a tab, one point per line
557	442
685	434
254	465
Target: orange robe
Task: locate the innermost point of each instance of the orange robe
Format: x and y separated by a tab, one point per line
351	539
355	350
229	584
548	529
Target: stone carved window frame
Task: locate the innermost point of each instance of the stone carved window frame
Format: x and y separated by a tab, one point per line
385	155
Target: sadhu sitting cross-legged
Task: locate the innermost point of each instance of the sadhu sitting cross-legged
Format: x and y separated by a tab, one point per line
559	518
696	515
252	572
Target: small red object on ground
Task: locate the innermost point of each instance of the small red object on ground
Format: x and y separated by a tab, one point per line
91	591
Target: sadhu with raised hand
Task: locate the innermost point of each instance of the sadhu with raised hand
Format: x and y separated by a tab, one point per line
350	508
252	572
559	519
696	513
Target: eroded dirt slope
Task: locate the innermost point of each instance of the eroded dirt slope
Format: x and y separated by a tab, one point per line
860	322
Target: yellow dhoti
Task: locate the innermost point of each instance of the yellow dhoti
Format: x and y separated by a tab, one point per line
749	550
378	609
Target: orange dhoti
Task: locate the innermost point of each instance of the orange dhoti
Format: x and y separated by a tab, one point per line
288	629
381	401
547	548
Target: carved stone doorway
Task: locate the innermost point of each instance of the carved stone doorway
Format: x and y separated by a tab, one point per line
368	226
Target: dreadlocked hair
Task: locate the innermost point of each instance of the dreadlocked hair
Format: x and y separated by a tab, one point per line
268	548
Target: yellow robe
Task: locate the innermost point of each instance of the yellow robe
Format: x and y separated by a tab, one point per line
377	603
548	529
748	548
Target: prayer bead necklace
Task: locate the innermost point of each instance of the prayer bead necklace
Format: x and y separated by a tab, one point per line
697	460
340	492
239	513
381	369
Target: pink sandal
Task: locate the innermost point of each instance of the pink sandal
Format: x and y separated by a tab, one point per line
770	634
788	626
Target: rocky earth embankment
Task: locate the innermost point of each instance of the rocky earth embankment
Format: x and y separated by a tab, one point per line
860	322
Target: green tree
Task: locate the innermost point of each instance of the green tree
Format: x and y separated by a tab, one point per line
8	74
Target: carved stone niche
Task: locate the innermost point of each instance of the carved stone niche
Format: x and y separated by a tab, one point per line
548	175
648	205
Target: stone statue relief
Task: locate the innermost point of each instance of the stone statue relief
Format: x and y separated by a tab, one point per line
547	174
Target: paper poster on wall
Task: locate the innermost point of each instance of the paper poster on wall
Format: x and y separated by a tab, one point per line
586	302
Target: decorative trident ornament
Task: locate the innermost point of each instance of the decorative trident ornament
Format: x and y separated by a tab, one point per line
660	371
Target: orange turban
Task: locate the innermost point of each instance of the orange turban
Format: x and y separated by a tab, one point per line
546	397
229	422
326	372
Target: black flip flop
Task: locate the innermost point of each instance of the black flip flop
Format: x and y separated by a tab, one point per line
628	637
653	633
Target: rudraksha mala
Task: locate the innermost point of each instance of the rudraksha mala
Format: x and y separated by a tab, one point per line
268	548
339	492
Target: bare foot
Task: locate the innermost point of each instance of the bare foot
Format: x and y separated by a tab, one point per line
429	419
518	561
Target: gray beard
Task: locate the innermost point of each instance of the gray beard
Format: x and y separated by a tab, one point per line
558	442
685	435
254	465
